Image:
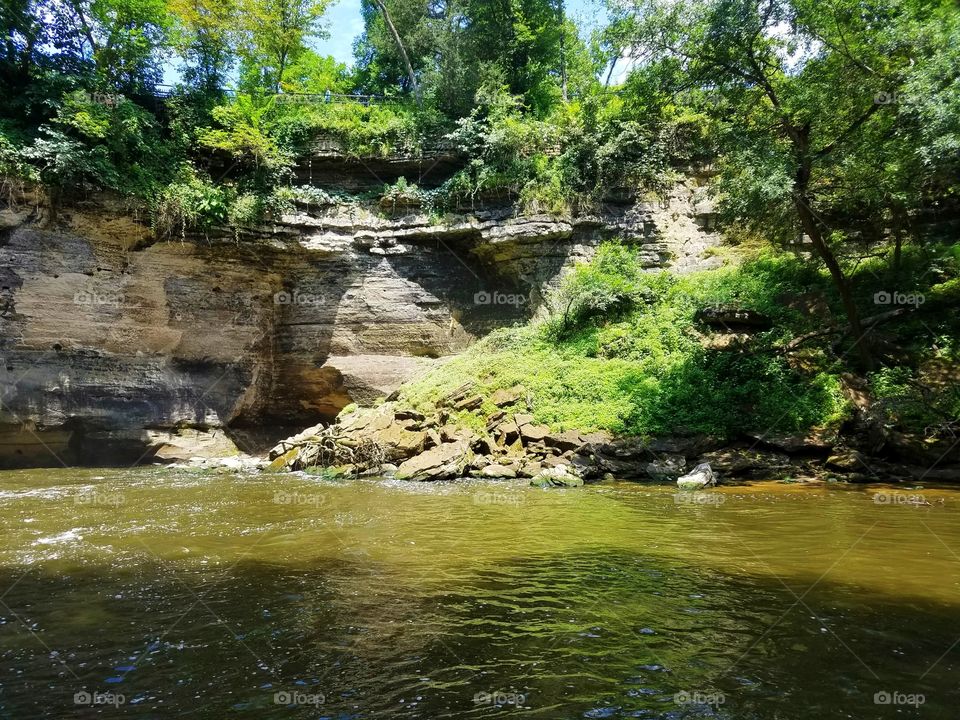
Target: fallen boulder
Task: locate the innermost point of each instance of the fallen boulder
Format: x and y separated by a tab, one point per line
503	398
701	477
559	476
496	471
444	462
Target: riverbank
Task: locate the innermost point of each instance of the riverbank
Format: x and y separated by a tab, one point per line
399	442
643	376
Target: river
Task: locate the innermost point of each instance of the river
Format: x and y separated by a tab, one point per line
156	593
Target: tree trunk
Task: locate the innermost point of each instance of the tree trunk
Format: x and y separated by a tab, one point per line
840	280
898	239
800	138
403	51
613	64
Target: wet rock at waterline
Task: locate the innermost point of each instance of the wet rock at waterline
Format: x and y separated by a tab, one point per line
701	477
559	476
429	447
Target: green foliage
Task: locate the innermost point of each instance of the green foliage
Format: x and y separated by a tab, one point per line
203	32
606	288
313	73
907	401
275	34
243	134
634	362
358	130
189	203
104	141
13	165
455	48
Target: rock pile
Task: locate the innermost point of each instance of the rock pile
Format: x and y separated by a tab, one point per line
395	440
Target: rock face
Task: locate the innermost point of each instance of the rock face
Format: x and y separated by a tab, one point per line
108	336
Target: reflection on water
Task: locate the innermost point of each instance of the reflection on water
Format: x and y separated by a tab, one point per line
154	593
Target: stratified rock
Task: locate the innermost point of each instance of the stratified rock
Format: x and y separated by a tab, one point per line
503	398
328	305
559	476
408	414
567	440
701	477
494	420
469	403
443	462
534	433
522	419
498	472
398	443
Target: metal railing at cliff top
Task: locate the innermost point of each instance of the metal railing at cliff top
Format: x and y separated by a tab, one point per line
300	98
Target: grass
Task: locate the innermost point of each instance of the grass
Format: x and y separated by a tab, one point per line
634	359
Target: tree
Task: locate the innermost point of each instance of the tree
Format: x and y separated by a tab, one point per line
204	35
400	48
796	84
275	35
314	73
124	39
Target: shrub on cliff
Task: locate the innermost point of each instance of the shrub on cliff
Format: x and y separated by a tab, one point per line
620	349
189	203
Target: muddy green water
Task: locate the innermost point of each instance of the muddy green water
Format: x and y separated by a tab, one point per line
155	593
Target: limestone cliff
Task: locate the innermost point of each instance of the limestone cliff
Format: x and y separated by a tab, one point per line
117	347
